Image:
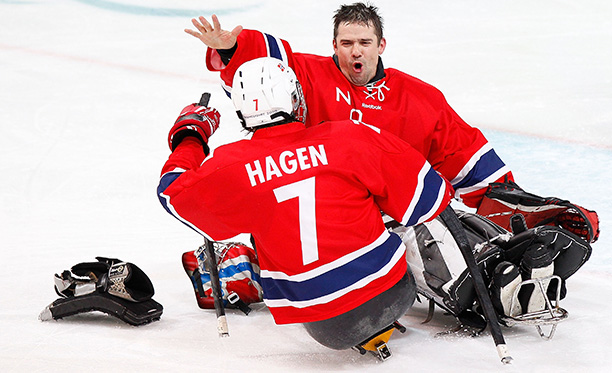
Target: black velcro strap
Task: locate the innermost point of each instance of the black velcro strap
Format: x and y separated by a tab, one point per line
234	299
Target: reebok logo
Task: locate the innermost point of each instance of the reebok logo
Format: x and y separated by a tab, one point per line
368	106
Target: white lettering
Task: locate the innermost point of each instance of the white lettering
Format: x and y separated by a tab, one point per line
271	169
356	115
288	162
302	159
252	173
317	156
346	98
288	166
375	107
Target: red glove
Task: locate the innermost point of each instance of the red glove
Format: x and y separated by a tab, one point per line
197	121
581	222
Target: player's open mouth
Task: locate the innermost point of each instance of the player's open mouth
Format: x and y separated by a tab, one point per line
357	67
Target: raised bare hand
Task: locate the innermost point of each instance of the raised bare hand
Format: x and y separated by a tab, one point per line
213	35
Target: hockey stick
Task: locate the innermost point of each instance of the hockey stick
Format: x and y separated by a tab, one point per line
211	264
204	99
456	229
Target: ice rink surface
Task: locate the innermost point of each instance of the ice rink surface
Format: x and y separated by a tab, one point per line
89	90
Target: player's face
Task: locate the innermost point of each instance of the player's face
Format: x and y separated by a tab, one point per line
358	48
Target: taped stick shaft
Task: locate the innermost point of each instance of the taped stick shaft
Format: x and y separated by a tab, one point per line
211	263
456	229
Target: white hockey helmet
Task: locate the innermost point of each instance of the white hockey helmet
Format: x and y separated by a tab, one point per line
266	92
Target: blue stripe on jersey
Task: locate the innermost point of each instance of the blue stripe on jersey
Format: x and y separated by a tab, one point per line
487	165
429	196
165	181
334	280
228	93
273	46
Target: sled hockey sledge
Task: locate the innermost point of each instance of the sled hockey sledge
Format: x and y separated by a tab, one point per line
377	344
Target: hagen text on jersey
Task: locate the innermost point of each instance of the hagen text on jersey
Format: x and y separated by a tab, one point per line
286	163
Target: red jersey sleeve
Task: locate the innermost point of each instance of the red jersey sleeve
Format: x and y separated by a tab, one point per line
414	195
463	155
184	191
259	45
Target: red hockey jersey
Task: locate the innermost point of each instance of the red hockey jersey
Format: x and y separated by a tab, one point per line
407	107
311	198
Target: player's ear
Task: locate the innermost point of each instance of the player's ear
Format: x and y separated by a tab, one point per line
382	45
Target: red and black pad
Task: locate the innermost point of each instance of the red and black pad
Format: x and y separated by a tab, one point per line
503	200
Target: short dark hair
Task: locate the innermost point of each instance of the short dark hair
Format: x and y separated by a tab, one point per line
366	14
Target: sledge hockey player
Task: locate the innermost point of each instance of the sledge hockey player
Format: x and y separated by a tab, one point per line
312	200
353	83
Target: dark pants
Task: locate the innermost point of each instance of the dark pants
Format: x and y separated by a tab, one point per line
355	326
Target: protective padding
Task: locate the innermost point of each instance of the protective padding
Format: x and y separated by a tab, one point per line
131	312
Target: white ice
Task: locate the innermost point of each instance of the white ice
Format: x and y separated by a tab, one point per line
89	89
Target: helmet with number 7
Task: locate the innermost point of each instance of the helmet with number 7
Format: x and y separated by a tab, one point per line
266	92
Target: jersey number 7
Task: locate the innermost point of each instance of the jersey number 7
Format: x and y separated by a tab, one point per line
304	191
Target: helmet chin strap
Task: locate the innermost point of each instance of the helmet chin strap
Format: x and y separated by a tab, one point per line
286	118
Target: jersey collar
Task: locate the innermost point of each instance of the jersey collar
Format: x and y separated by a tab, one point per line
279	130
